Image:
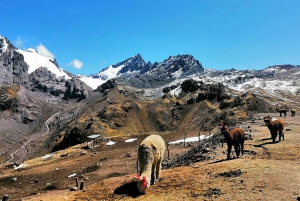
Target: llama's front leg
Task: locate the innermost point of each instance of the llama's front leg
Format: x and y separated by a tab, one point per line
153	178
228	151
274	135
158	169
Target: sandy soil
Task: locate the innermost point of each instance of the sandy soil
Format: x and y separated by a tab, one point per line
266	171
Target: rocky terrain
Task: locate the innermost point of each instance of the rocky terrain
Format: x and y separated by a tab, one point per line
196	171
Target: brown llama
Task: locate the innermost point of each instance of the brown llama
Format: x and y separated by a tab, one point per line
235	137
281	111
274	126
293	112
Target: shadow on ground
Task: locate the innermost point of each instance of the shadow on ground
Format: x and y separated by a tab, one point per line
261	145
129	189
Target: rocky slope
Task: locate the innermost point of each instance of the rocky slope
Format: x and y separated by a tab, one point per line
29	101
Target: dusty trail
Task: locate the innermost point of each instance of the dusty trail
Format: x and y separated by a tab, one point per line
32	138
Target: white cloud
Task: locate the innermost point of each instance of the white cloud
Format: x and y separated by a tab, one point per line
41	49
19	42
76	64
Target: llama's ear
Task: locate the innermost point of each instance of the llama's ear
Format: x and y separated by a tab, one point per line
144	182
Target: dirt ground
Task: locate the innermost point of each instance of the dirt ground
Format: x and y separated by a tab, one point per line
266	171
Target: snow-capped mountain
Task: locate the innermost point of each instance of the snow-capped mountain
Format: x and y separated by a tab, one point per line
38	72
174	67
153	77
128	67
36	60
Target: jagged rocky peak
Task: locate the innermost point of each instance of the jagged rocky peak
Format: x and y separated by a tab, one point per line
184	61
135	63
5	44
13	68
177	67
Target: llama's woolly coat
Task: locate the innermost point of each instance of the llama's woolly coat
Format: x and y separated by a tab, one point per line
275	126
150	155
235	138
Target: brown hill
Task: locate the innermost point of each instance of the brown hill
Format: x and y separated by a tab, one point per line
123	112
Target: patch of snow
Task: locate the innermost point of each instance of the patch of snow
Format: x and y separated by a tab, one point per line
271	69
177	73
269	86
20	166
102	77
175	92
72	175
110	143
47	156
191	139
92	82
131	140
4	44
36	60
110	72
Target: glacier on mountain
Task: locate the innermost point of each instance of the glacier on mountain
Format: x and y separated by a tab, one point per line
36	60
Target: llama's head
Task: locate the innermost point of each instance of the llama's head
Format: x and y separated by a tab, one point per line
223	127
267	120
143	183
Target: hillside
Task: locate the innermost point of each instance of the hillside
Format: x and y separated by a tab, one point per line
267	171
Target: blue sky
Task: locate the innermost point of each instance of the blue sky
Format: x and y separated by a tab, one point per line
93	34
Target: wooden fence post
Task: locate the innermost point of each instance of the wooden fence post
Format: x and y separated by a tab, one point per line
81	185
76	180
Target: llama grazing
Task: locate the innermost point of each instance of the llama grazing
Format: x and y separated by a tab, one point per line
150	156
274	127
293	112
235	137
